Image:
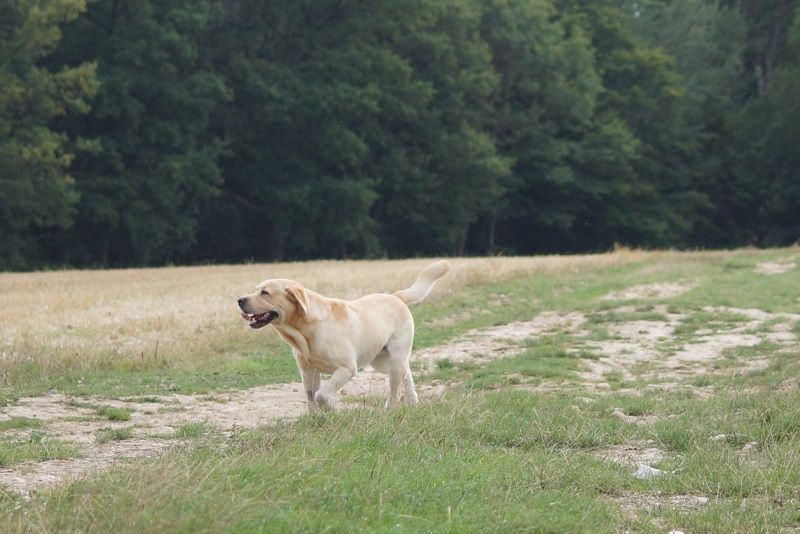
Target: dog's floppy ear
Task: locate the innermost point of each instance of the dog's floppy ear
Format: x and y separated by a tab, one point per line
298	294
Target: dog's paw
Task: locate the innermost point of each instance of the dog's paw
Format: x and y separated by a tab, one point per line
323	402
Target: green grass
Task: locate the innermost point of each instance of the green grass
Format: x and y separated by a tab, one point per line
433	467
445	363
516	444
17	423
36	447
545	358
605	317
713	322
251	362
474	461
105	435
194	429
114	414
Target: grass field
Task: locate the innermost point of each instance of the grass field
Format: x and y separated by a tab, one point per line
547	384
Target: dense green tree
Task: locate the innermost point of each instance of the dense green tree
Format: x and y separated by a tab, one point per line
224	130
706	40
591	117
457	172
769	133
732	56
643	89
157	163
295	183
767	25
544	109
36	189
354	128
764	132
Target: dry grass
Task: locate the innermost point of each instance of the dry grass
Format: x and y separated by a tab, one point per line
55	319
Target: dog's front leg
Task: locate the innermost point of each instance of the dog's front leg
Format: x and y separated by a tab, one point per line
340	377
311	379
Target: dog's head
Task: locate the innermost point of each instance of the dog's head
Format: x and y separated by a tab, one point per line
274	300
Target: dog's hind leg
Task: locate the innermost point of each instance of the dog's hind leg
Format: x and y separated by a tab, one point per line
381	362
399	350
410	391
395	384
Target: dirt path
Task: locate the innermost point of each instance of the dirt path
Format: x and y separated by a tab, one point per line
648	347
157	421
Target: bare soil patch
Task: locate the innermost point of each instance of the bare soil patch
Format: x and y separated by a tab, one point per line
501	341
640	349
643	453
632	505
658	290
781	266
631	454
31	477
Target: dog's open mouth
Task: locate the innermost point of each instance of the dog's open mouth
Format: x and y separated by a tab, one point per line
258	320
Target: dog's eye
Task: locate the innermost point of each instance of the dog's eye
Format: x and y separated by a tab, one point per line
265	292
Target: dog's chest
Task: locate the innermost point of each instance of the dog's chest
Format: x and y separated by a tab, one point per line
319	363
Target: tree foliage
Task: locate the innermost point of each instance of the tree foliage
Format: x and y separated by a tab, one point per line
137	132
157	157
37	192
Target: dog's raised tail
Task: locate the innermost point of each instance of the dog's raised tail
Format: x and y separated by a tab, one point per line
424	283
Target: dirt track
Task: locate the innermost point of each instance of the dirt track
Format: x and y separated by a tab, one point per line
154	423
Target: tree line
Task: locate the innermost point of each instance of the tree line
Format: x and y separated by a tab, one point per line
147	132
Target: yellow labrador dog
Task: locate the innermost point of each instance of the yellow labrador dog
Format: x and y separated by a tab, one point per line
335	336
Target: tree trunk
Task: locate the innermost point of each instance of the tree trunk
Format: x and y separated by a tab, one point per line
767	24
492	232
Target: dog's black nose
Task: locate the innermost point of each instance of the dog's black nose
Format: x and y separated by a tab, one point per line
241	301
